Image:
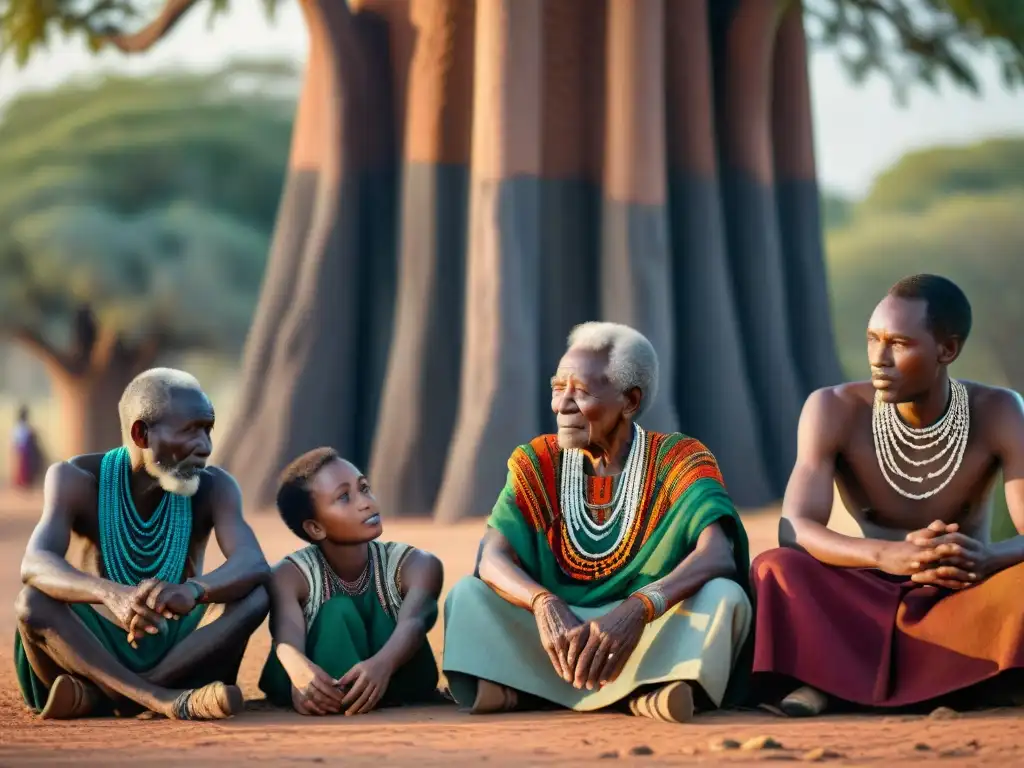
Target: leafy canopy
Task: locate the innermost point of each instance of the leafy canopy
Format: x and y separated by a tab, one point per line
920	40
150	200
907	40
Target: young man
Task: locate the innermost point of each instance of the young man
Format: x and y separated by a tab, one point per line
349	614
924	604
132	617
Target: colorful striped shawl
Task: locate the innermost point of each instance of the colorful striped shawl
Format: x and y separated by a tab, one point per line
683	494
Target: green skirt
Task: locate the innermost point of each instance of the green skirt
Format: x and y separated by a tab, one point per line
152	649
348	630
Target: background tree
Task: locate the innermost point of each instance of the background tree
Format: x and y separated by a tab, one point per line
134	223
499	170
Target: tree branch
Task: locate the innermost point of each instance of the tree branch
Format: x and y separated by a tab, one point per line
41	348
156	30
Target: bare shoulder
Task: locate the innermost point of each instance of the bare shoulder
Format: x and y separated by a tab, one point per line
287	581
991	401
218	488
834	407
423	557
421	569
73	484
999	410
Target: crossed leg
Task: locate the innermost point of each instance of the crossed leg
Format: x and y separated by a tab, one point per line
57	643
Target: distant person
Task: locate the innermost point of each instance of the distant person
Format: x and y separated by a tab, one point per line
135	622
349	613
614	565
924	604
25	454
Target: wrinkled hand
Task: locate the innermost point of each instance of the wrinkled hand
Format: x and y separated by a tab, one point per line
314	692
367	682
954	561
161	598
132	616
611	641
169	600
562	634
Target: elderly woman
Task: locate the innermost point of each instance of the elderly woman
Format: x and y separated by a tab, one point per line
613	569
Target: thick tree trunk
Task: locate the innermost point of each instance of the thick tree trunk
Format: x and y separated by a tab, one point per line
419	402
561	162
797	197
87	382
635	255
744	33
316	355
87	404
713	390
500	370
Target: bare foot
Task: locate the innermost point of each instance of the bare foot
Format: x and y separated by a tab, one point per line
491	697
672	703
70	698
804	702
215	701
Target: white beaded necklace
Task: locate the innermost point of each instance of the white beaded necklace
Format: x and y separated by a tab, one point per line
953	429
573	494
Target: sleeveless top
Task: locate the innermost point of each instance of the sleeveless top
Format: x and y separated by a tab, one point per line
386	560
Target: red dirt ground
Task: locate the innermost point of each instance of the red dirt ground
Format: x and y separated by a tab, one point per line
443	736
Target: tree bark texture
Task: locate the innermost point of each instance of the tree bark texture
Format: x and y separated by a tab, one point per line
489	173
88	379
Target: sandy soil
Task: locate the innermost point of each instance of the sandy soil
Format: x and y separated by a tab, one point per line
442	735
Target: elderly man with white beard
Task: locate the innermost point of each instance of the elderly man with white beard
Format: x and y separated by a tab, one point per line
116	614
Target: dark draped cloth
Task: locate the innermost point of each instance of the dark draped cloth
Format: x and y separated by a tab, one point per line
876	640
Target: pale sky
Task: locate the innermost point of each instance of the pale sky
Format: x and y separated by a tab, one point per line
859	130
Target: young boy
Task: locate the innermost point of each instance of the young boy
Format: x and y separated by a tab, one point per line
349	614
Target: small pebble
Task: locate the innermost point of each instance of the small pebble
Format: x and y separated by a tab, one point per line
921	747
641	749
723	744
944	713
974	744
760	742
609	756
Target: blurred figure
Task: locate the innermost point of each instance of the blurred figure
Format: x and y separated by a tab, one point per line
25	454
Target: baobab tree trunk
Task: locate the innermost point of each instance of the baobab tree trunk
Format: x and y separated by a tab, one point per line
419	402
500	361
315	357
743	36
798	201
560	162
713	389
88	380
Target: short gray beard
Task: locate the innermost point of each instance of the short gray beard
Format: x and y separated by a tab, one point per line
172	481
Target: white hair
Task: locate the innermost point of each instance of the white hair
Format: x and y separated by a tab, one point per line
148	397
632	361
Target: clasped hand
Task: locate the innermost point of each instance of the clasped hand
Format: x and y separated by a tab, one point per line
147	607
593	653
314	692
940	556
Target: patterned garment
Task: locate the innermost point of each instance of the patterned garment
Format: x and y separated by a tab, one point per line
386	560
673	464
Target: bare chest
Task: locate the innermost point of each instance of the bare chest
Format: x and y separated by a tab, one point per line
865	483
86	553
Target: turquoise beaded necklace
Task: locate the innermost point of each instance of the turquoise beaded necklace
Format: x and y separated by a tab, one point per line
134	549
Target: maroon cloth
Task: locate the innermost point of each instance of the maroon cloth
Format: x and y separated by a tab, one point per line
876	640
